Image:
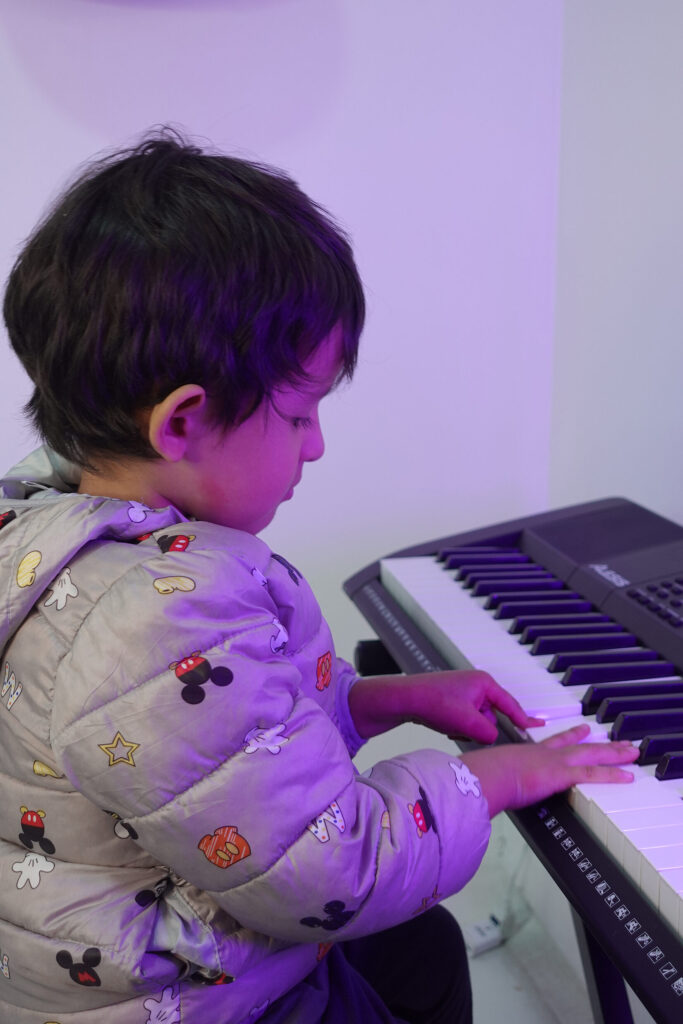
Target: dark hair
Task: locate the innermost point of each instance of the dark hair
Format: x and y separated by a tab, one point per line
164	265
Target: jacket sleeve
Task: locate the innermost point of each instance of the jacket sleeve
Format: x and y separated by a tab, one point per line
178	708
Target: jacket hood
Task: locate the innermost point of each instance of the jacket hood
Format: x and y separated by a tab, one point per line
44	522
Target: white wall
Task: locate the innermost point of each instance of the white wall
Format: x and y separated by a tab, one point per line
617	426
431	130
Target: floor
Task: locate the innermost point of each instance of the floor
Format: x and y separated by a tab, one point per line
533	976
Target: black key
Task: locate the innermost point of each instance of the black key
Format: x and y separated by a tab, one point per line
563	597
562	662
531	633
594	695
524	621
500	558
468	549
469	577
500	586
555	644
512	609
631	725
653	748
670	767
613	706
588	674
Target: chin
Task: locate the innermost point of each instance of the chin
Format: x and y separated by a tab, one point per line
261	524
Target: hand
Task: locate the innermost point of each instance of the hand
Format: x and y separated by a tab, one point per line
517	774
462	705
456	703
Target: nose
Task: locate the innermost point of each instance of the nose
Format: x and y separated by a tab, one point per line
314	446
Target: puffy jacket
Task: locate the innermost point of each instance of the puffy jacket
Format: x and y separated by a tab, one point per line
182	830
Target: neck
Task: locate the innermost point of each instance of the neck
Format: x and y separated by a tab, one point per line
127	484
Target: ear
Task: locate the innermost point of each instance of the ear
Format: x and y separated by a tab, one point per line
174	422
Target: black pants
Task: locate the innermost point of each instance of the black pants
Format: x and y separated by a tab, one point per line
414	973
419	969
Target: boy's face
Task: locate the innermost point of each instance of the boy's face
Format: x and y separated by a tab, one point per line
242	476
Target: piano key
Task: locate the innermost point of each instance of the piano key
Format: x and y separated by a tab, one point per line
538	586
514	609
472	551
598	733
593	696
466	574
522	622
469	579
593	801
617	824
555	643
653	862
670	899
456	560
609	673
536	631
444	606
630	656
630	725
560	599
670	766
652	748
647	851
614	706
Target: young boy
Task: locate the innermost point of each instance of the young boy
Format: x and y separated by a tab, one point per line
184	836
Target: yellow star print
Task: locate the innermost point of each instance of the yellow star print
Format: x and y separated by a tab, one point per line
118	744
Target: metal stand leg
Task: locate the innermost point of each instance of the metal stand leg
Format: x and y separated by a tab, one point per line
606	987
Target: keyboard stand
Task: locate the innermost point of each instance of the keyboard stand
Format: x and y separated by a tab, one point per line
606	987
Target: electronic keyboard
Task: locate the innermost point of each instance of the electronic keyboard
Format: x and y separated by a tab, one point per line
578	612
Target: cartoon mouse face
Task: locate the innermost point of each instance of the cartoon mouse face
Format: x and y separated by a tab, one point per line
83	973
194	671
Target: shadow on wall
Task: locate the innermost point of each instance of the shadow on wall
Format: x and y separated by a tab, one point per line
253	71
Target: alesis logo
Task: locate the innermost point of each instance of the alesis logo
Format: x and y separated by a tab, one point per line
609	574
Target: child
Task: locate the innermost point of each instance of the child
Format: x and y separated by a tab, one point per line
184	836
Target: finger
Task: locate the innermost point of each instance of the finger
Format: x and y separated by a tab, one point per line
602	773
622	752
479	728
568	737
511	707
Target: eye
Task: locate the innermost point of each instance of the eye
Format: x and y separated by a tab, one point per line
302	422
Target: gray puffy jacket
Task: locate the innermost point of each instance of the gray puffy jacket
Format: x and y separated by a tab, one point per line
182	830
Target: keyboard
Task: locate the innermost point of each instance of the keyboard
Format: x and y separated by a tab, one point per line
579	614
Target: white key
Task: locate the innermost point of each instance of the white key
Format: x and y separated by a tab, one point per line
670	900
444	610
621	823
662	844
593	801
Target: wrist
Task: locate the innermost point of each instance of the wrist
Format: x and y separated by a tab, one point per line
379	703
